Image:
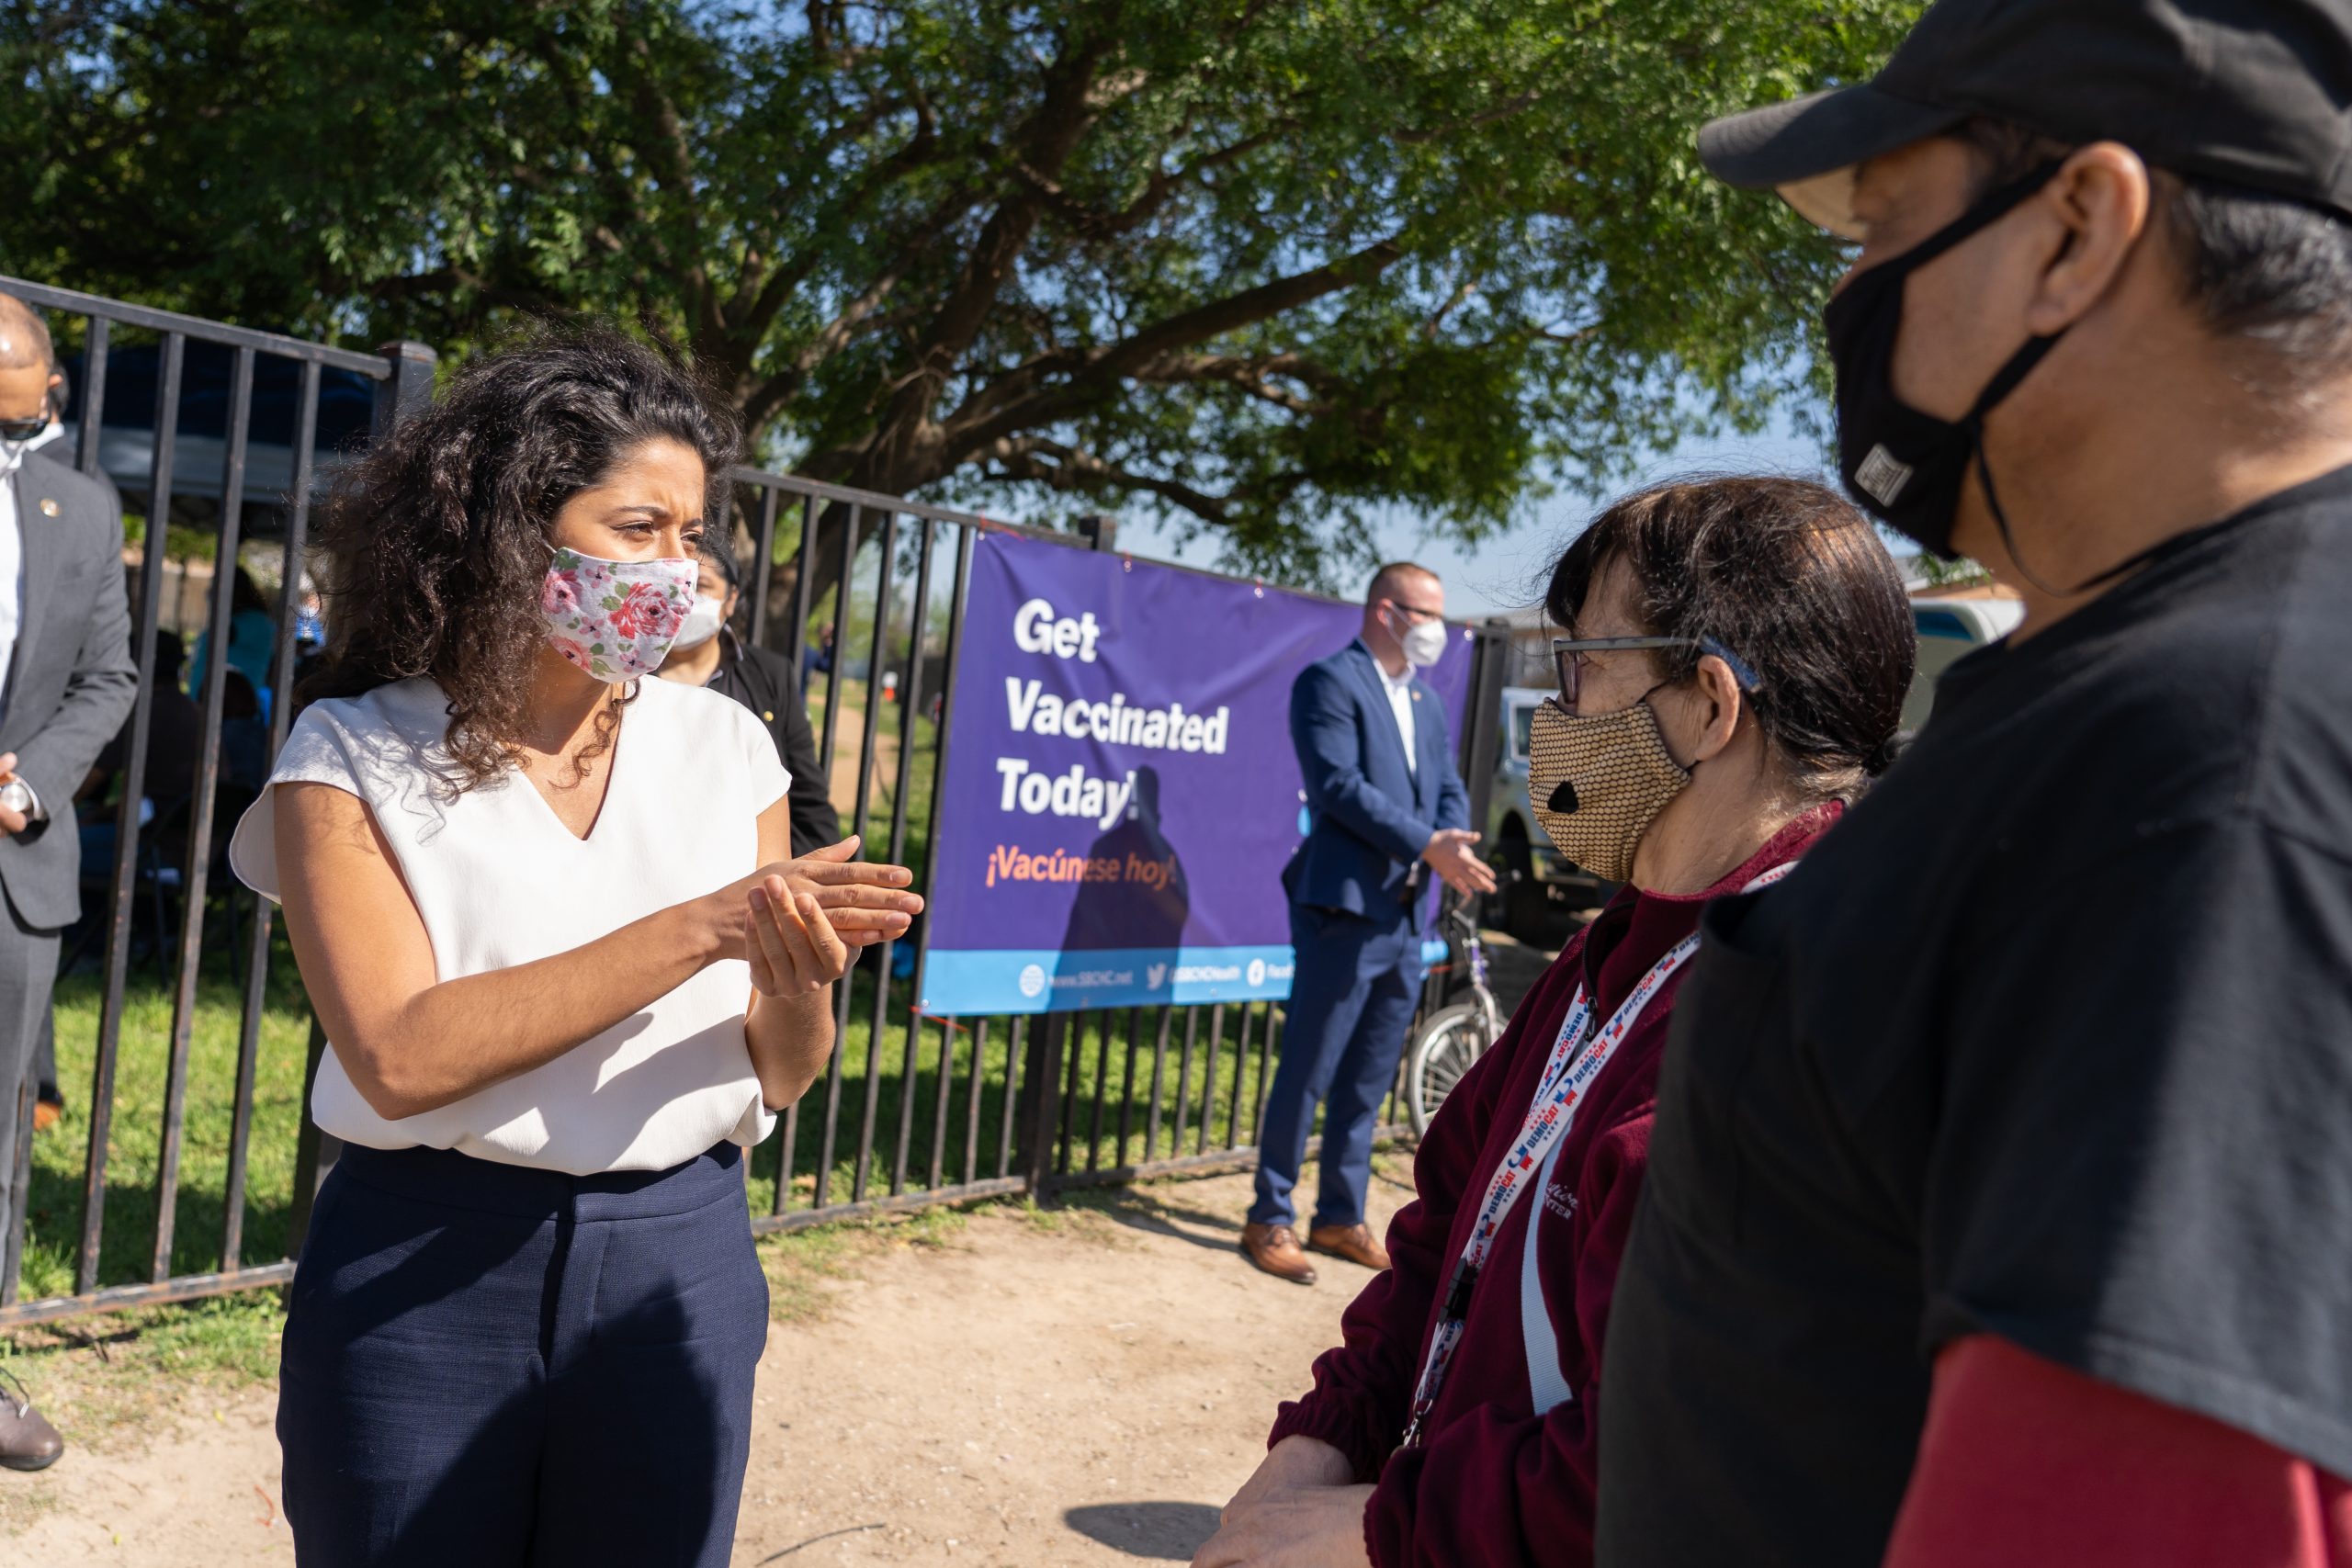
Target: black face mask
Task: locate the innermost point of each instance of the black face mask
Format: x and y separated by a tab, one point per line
1905	467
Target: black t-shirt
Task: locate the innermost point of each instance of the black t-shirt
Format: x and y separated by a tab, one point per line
2051	1039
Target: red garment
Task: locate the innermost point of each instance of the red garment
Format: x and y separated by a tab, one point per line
2030	1464
1493	1484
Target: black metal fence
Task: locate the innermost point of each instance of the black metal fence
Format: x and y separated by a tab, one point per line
866	591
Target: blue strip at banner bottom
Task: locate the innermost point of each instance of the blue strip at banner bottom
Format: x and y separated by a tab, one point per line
976	983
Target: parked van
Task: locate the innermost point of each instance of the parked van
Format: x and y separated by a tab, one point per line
1948	629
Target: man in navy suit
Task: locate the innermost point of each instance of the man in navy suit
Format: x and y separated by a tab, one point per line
1388	810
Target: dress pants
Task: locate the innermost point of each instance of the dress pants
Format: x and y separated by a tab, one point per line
27	974
487	1366
1351	998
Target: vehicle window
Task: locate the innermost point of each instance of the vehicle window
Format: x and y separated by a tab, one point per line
1523	727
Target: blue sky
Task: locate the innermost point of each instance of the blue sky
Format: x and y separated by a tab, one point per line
1505	572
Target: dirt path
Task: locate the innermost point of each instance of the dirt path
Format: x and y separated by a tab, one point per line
1079	1388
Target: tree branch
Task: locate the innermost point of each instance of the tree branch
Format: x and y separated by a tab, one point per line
1020	459
765	400
1251	375
673	151
1496	116
1008	406
1092	223
494	292
626	210
920	150
906	438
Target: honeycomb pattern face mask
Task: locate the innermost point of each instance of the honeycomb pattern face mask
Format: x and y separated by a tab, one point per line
1597	781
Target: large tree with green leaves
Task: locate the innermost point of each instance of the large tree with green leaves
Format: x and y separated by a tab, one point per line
1266	264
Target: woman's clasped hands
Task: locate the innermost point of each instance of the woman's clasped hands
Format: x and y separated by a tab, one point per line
798	921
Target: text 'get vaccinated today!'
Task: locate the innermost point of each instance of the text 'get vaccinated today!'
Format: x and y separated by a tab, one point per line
1120	793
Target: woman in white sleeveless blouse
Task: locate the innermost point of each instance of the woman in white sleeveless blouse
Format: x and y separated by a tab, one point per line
546	912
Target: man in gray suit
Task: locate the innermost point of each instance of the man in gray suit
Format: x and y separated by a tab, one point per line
66	683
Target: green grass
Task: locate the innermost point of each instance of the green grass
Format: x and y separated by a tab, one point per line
882	795
104	1376
1088	1137
799	1264
1104	1124
135	1146
107	1380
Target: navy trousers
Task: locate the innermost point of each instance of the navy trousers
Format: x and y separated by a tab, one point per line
1351	998
488	1367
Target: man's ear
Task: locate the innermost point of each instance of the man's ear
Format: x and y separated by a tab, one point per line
1719	702
2101	197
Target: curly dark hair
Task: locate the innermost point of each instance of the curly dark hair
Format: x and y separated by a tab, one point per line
436	542
1788	575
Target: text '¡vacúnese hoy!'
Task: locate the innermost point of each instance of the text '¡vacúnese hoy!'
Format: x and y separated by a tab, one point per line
1113	721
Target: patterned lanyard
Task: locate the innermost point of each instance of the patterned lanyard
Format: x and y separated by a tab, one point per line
1574	1063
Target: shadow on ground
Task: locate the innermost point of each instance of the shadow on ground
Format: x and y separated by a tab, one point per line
1141	1208
1161	1532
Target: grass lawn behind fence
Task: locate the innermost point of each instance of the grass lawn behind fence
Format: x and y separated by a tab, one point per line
135	1149
905	1101
902	1090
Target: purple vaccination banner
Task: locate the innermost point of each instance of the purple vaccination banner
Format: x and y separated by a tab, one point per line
1121	794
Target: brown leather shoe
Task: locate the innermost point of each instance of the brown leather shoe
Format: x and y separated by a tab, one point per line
1275	1249
1353	1242
26	1441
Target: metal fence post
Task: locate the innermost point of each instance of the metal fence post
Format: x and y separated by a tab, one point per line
1041	1080
410	387
403	395
1031	1113
314	1151
1040	1073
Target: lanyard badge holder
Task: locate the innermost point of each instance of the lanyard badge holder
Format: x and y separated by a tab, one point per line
1574	1063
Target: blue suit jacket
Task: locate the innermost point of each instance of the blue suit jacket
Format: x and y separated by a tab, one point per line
1373	815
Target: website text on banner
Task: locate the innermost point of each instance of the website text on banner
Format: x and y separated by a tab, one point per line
1120	793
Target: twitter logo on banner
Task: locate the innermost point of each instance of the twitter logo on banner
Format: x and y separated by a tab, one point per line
1153	975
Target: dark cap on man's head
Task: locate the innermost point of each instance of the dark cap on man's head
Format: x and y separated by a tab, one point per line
2255	93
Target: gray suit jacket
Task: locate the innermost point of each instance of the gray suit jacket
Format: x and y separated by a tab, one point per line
71	680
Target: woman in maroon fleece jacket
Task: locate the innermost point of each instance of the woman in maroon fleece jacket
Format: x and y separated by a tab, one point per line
1739	650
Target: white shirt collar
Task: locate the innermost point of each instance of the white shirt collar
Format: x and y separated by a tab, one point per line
1394	683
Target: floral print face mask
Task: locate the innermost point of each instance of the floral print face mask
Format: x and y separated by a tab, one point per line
616	619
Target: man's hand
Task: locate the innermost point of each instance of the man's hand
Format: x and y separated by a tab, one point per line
12	822
1308	1526
1451	855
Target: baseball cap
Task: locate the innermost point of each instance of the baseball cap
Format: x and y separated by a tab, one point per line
2255	93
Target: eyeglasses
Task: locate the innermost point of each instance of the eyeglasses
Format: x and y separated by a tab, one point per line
1569	654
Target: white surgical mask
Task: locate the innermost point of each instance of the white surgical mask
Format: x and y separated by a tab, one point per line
1424	645
702	622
